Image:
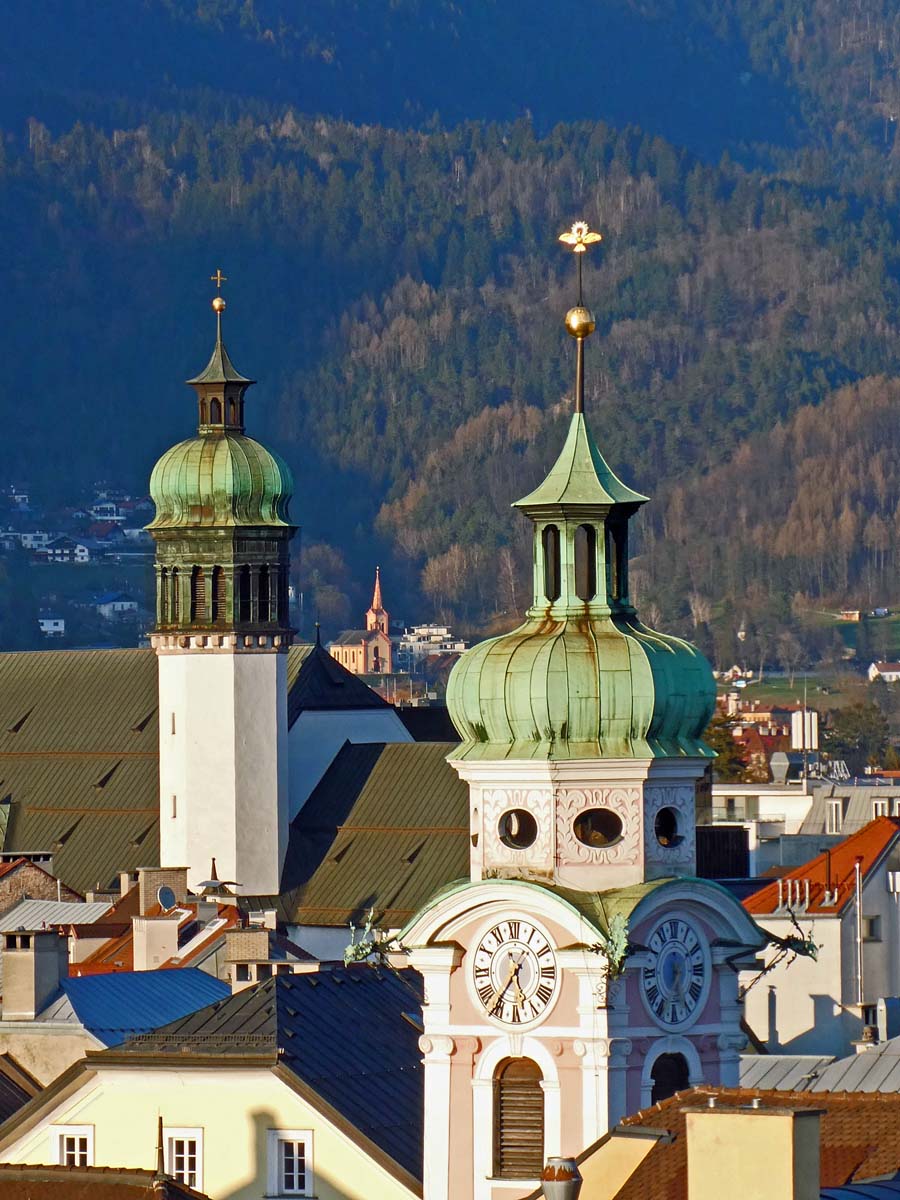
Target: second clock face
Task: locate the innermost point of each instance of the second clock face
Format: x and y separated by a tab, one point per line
676	978
514	972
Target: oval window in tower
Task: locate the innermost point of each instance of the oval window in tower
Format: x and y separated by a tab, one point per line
517	829
598	828
666	827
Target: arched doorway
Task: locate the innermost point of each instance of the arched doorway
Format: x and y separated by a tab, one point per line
670	1075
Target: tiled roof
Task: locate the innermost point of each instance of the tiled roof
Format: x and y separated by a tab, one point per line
119	1006
834	870
23	1181
317	682
118	952
353	637
860	1137
384	828
79	751
340	1031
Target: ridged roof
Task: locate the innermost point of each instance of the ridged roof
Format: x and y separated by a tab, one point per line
385	827
832	875
79	752
341	1031
220	368
220	479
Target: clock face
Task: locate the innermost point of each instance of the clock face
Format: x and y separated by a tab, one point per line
514	972
676	979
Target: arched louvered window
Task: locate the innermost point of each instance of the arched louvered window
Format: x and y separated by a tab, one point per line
518	1120
232	412
585	562
163	597
175	605
215	412
617	559
218	595
550	543
198	595
263	594
204	413
244	594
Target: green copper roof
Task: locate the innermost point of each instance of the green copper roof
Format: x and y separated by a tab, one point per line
601	686
220	368
220	479
580	476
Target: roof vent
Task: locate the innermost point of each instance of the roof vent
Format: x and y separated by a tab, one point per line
21	721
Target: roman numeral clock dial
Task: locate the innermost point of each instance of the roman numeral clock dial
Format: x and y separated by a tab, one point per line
514	972
675	981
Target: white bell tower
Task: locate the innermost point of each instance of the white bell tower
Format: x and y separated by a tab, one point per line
222	534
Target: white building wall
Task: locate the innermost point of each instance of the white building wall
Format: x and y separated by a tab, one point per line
316	737
223	758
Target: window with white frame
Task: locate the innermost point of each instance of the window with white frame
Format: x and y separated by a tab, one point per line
72	1145
834	816
184	1156
879	808
290	1168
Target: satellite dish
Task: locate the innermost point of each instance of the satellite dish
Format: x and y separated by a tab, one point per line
166	898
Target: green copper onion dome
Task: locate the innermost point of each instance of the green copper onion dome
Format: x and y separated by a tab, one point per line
583	677
224	479
221	477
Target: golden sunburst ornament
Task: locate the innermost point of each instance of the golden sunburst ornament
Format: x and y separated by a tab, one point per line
580	236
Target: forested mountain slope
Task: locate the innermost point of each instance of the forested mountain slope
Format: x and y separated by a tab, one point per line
399	291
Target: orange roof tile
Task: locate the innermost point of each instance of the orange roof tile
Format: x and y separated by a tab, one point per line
860	1136
834	868
117	954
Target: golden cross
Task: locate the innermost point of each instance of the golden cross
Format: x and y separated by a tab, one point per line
218	279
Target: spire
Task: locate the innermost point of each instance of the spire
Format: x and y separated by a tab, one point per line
376	595
377	617
220	368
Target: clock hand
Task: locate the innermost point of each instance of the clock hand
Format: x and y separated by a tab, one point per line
498	993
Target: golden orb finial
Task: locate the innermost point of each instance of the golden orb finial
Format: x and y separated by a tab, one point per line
219	304
580	321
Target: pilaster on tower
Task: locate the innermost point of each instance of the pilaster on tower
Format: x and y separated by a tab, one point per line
222	533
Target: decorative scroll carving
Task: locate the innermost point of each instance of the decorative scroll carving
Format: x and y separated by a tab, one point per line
679	797
497	801
625	802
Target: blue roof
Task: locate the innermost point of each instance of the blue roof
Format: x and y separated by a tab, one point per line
881	1189
126	1003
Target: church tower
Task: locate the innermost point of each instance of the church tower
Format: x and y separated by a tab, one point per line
222	631
377	617
582	971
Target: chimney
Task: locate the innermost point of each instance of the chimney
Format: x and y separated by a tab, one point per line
151	879
155	940
33	965
763	1153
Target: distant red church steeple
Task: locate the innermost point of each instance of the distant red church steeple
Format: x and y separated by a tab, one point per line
377	617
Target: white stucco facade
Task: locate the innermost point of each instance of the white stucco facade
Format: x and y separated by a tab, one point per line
223	763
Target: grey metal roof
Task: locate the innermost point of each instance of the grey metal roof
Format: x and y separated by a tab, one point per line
341	1031
858	806
876	1069
79	752
784	1072
35	914
384	828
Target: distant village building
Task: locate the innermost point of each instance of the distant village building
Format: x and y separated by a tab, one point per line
888	671
368	651
422	642
66	550
52	625
114	605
